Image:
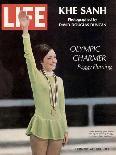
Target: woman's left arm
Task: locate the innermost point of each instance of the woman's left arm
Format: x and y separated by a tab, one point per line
63	113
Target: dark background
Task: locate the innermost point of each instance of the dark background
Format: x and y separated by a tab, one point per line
14	81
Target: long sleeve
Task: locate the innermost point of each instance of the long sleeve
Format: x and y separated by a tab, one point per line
62	108
30	61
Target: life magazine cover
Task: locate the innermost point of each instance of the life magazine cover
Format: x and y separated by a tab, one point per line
83	36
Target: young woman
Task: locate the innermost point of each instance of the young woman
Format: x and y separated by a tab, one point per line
48	126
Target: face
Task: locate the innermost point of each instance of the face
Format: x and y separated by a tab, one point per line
49	61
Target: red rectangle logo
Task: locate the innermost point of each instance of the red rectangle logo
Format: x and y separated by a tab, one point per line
38	15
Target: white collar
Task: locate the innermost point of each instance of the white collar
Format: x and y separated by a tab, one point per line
49	73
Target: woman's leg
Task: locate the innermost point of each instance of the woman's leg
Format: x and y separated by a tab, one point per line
54	147
38	145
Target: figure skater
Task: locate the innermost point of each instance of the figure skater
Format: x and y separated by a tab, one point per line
48	128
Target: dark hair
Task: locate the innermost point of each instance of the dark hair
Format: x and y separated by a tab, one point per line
40	51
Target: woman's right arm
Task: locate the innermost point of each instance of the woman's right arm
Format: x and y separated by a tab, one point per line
30	61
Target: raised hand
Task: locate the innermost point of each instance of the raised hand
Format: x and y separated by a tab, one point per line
24	20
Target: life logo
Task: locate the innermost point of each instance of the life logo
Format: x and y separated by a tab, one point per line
38	15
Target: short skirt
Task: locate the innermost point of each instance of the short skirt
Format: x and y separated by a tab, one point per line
46	128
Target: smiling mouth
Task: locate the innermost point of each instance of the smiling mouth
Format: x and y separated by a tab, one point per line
53	65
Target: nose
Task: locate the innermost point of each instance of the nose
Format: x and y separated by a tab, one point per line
54	60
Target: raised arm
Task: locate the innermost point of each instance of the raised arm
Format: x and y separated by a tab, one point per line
31	65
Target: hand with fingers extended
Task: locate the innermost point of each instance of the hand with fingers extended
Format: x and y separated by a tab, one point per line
24	20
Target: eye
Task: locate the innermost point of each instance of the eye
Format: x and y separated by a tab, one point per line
49	58
54	56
